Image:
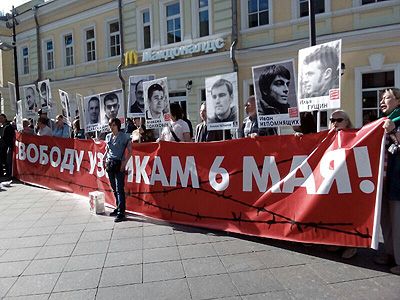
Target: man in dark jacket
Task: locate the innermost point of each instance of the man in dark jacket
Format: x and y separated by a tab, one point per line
7	135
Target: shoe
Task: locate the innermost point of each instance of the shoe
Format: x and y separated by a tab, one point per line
119	218
383	259
114	213
395	270
349	253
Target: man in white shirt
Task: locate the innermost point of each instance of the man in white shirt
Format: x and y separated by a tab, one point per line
43	129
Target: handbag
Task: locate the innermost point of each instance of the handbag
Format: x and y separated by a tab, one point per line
173	134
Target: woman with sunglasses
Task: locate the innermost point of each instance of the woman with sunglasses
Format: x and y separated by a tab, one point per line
390	210
340	120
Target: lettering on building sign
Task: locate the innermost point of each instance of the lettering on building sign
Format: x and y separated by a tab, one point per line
172	53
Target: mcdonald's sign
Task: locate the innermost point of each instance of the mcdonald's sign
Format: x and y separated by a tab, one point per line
131	58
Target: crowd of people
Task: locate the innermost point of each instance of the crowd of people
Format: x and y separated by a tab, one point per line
179	129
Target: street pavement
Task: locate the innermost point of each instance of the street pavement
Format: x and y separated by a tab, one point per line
52	247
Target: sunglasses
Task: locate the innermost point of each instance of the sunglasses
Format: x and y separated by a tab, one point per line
338	120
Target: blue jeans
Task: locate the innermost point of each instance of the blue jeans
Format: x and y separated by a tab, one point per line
117	181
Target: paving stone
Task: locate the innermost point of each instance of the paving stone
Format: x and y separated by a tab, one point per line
86	248
85	262
242	262
13	269
123	258
89	294
121	275
162	271
191	238
134	291
45	266
160	254
63	238
332	272
203	266
214	286
91	236
125	245
282	295
36	284
171	289
55	251
5	284
319	292
157	230
297	277
259	281
124	233
34	231
281	258
159	241
11	233
78	280
197	250
389	282
99	226
238	246
70	228
30	297
19	254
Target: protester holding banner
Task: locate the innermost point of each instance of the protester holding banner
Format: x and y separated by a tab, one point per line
77	132
42	127
250	124
116	143
61	129
202	134
177	130
26	124
390	217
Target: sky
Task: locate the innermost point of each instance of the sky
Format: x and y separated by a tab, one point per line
5	5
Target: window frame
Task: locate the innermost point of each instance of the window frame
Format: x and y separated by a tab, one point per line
163	20
46	52
245	15
196	19
86	42
64	51
25	63
107	43
296	9
140	26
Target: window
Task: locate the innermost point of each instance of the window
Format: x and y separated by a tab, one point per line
258	13
180	98
146	29
203	18
69	50
115	42
363	2
372	85
25	60
319	6
49	60
173	23
90	45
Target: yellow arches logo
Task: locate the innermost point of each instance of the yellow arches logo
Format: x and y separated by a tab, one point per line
131	58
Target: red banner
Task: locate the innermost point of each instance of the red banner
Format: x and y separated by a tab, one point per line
320	188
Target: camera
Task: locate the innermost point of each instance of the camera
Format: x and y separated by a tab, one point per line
394	149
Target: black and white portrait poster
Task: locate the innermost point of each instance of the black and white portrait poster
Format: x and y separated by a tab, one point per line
91	112
222	101
45	98
81	110
19	116
319	76
13	96
136	96
275	91
156	102
65	106
30	99
111	106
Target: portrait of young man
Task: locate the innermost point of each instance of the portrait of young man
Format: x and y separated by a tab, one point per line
136	95
156	101
319	73
65	104
30	98
112	106
93	109
44	94
222	103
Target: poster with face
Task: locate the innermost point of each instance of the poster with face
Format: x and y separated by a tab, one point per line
45	98
111	106
13	96
19	116
91	112
65	106
30	98
136	95
81	111
156	103
319	77
222	101
275	92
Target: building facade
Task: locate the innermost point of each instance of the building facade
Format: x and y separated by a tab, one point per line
79	45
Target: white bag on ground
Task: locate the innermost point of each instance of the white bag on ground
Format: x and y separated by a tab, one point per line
96	202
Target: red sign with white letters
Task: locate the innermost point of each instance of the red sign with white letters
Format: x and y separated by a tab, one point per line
319	188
